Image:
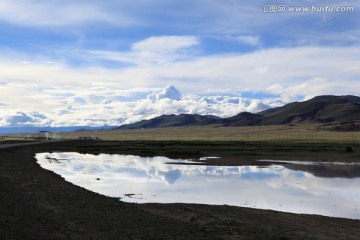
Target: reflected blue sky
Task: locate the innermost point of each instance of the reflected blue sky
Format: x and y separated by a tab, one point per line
152	179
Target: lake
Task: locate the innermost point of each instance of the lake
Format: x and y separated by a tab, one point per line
330	189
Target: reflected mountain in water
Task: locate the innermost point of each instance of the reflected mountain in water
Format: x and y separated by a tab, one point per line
323	169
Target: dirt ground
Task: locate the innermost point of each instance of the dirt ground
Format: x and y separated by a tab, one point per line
38	204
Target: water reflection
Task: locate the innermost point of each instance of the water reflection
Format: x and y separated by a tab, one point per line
323	169
298	188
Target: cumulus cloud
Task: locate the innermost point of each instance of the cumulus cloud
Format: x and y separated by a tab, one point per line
111	111
169	92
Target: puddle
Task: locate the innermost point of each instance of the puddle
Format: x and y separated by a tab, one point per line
330	189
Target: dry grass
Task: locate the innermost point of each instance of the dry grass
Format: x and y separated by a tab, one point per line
301	132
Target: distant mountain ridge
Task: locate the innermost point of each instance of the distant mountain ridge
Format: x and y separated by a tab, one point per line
172	121
320	109
31	129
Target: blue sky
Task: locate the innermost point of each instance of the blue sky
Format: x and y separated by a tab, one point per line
75	54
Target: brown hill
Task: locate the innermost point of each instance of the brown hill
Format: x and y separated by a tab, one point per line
321	109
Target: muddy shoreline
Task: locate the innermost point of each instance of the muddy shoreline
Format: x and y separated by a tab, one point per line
38	204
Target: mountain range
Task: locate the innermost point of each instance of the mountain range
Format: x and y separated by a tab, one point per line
320	109
31	129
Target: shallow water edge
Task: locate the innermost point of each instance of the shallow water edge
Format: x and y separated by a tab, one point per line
328	189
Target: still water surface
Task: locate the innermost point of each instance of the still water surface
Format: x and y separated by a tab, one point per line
330	189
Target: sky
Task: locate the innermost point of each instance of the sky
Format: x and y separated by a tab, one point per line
93	62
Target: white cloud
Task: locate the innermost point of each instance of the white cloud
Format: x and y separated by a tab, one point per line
13	118
255	71
153	51
113	112
169	92
163	49
164	44
305	91
250	40
251	72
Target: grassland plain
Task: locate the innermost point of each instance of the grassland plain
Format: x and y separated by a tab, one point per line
316	141
299	132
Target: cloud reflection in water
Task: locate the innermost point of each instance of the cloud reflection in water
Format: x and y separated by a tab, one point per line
151	179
